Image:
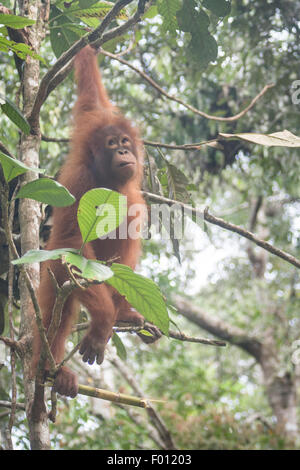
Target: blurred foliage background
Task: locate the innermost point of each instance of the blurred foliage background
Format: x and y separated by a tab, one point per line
214	398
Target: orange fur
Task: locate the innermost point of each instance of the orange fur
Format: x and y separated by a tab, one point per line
93	111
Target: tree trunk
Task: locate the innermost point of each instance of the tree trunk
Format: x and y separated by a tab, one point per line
281	391
29	213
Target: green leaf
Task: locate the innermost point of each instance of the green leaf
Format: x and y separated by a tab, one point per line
167	9
15	22
12	167
20	49
37	256
62	36
98	11
119	345
89	269
174	183
100	212
47	191
202	47
219	8
191	20
14	114
142	294
86	3
145	333
151	12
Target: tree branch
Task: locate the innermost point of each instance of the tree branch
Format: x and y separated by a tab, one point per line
218	328
147	326
186	147
8	404
178	100
205	215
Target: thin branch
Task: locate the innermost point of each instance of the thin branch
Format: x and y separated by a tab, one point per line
191	339
195	146
178	100
11	343
111	396
68	356
147	326
172	334
59	78
55	139
205	215
5	150
14	254
114	397
11	324
8	404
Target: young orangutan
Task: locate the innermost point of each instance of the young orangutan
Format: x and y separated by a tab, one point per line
105	152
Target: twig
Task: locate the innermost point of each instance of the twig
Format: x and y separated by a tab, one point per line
147	326
172	334
10	343
5	150
111	396
178	100
114	397
191	339
55	139
11	324
205	215
4	191
195	146
68	356
8	404
53	411
119	30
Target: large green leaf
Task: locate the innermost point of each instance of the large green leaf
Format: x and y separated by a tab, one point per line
167	9
47	191
87	11
100	212
219	8
202	46
15	22
37	256
14	114
63	31
142	293
89	268
119	345
91	15
174	183
20	49
12	167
